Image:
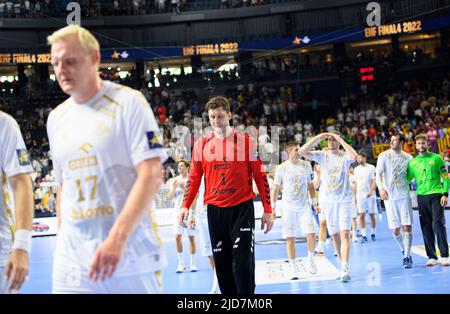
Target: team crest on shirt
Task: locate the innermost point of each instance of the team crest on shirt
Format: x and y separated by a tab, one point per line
24	158
430	163
153	140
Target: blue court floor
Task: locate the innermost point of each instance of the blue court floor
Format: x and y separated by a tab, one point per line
376	267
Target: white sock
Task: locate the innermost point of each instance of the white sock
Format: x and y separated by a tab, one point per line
292	261
363	232
407	240
321	245
372	230
180	258
310	255
354	235
344	266
192	259
399	239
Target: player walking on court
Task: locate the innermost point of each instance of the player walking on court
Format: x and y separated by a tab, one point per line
336	190
394	191
294	177
229	161
107	159
431	176
15	228
177	189
366	201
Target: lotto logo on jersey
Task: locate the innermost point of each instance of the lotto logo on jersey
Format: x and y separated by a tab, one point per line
24	158
153	140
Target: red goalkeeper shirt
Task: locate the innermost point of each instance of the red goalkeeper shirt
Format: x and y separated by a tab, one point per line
229	166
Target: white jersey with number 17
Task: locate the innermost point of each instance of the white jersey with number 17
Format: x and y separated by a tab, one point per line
95	147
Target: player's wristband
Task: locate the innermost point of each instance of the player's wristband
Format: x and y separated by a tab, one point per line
191	213
22	240
274	205
315	201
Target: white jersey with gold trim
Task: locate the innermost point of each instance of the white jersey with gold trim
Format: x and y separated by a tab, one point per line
14	160
334	176
95	148
294	179
364	176
391	174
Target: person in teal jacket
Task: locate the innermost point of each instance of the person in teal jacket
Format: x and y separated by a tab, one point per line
430	173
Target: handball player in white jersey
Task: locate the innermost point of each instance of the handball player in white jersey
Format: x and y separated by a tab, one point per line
294	178
366	199
394	191
15	225
335	191
107	156
176	192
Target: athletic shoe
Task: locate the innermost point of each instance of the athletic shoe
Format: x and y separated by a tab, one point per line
193	268
364	239
355	239
293	272
432	262
373	237
445	261
319	253
345	276
181	268
214	290
311	265
407	262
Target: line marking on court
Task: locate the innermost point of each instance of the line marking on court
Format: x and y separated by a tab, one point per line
293	290
416	275
437	272
275	292
397	277
315	287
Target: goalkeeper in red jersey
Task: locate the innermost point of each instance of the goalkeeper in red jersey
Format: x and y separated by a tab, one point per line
229	161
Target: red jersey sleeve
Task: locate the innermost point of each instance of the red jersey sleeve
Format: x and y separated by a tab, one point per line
195	174
259	175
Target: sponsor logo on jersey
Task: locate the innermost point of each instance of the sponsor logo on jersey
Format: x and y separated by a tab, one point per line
222	167
153	140
84	162
224	191
24	157
245	229
91	212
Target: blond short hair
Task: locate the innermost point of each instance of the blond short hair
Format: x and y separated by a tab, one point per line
87	40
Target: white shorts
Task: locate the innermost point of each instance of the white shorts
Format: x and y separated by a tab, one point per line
201	223
67	280
354	210
399	213
293	220
338	216
177	229
365	204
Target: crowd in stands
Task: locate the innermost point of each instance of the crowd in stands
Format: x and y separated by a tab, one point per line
364	119
93	8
